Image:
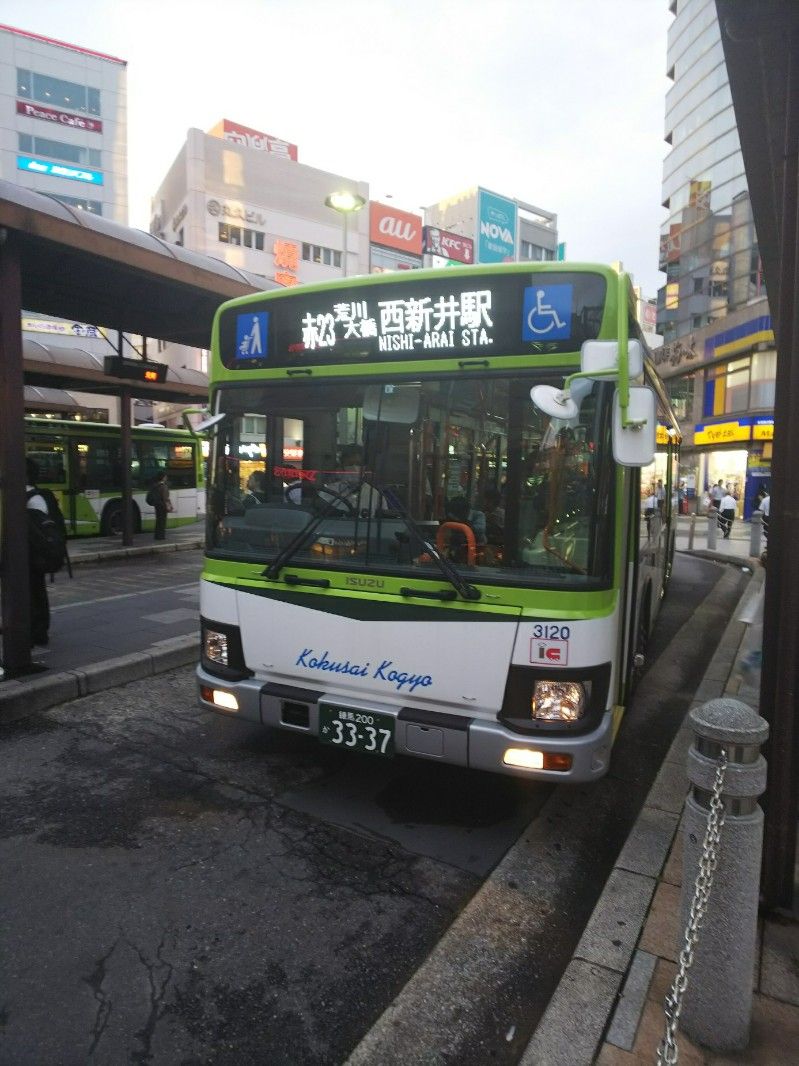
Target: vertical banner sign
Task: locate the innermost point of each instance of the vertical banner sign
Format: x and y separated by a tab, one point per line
496	228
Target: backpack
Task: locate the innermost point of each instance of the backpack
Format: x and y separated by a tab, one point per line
47	535
154	495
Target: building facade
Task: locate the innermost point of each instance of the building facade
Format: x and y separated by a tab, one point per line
244	197
501	229
718	355
63	132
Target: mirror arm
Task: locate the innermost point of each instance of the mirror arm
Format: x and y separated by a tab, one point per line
624	355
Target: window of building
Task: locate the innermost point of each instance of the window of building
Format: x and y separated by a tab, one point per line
57	93
764	377
681	394
736	395
254	425
742	385
94	207
236	235
70	153
315	253
534	252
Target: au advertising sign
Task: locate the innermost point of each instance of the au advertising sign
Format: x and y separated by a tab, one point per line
496	228
392	228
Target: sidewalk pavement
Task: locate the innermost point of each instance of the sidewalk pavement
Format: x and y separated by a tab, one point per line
140	653
608	1007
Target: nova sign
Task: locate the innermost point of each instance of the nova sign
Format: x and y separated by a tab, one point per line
496	228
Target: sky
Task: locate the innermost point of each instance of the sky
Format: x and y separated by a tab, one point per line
559	103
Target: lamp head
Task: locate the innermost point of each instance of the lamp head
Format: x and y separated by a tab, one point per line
345	201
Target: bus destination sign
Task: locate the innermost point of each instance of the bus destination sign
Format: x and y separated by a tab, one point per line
469	316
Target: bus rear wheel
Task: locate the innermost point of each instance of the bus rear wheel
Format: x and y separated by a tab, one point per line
111	522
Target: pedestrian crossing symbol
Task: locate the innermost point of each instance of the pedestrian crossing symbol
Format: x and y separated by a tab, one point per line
251	334
547	313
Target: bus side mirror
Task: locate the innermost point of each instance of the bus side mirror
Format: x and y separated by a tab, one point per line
602	358
634	443
197	428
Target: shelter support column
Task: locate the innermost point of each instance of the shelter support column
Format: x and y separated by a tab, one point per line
14	587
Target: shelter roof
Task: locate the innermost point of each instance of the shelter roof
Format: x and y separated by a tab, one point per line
77	265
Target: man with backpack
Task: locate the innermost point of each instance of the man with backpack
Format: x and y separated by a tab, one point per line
47	550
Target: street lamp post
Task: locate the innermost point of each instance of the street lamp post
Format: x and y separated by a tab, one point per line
346	203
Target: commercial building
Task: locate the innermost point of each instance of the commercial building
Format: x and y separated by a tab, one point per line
63	132
501	229
718	355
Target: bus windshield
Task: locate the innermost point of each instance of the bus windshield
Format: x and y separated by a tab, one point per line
368	476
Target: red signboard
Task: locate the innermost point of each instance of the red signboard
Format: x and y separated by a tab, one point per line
61	118
449	245
261	142
395	229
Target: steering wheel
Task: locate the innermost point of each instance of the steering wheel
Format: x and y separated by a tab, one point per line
327	491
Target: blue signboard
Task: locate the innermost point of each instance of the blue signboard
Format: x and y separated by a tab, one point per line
547	313
251	334
496	228
59	170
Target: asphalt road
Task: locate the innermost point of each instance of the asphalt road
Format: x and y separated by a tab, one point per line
183	888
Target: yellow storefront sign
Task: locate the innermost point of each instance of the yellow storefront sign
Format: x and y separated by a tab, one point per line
722	433
763	432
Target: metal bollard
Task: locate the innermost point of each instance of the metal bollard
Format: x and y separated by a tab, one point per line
691	528
718	1001
755	533
712	528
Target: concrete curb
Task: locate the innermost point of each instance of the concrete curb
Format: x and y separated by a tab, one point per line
492	927
143	549
604	987
22	699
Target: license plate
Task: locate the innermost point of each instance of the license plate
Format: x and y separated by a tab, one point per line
366	731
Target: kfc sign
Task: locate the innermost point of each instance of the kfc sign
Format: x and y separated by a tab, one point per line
449	245
61	118
261	142
395	229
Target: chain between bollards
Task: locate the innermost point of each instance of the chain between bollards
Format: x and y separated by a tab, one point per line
668	1051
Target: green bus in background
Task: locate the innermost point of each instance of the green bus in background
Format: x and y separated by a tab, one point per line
440	545
82	463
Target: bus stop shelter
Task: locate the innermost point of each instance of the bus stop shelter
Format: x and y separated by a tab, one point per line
761	49
70	264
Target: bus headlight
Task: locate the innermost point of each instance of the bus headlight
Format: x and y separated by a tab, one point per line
215	646
558	701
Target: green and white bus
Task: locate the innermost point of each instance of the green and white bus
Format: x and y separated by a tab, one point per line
439	546
82	463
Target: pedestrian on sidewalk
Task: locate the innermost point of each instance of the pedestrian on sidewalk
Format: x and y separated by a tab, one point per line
717	494
727	508
39	603
162	504
765	509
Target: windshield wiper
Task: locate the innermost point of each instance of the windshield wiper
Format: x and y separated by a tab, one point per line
273	570
469	592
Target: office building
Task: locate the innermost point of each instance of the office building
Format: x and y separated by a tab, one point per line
63	132
718	355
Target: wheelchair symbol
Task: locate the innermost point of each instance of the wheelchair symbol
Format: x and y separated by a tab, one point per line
551	318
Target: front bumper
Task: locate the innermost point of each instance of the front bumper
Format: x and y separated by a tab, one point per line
462	741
